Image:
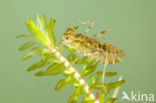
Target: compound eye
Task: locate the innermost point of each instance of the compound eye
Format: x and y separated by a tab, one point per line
67	38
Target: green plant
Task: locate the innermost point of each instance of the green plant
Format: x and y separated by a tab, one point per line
52	59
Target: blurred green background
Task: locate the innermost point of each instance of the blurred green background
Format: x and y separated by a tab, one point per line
133	29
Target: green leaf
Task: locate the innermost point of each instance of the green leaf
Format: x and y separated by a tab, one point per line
31	53
62	47
40	73
44	22
28	55
71	57
75	95
63	82
88	69
87	99
107	74
111	100
51	31
24	36
93	79
86	60
98	86
41	63
77	84
109	86
55	69
54	60
71	50
102	97
27	45
114	84
35	31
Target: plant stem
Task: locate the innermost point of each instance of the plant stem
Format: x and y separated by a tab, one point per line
71	69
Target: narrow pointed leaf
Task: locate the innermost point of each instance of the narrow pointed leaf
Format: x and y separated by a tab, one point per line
51	31
54	60
86	60
40	73
115	84
72	57
35	31
87	99
55	69
43	22
31	53
86	70
107	74
28	55
75	95
62	48
63	82
24	36
102	97
41	63
77	84
27	45
94	80
111	100
98	86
